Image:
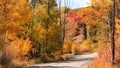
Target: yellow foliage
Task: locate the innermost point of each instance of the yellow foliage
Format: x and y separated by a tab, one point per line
43	14
18	48
64	57
74	48
101	3
67	46
117	25
84	46
25	46
15	13
70	47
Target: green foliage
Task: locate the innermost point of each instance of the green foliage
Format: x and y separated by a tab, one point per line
45	26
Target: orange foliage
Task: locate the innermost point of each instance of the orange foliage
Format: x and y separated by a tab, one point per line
14	13
103	61
117	25
18	48
70	47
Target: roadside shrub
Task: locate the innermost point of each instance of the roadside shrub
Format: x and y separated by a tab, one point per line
16	52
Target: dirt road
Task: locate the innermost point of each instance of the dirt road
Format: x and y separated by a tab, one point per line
77	61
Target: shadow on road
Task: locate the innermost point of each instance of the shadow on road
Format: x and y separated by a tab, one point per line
72	60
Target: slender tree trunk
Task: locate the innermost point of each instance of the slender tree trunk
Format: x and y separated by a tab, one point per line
60	12
84	31
112	31
3	57
33	4
3	46
66	3
63	31
48	12
61	23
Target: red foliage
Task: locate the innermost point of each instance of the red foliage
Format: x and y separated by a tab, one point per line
72	15
78	19
75	17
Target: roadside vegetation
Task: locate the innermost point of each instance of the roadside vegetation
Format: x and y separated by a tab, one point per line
40	31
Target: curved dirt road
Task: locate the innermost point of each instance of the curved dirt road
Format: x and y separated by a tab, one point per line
77	61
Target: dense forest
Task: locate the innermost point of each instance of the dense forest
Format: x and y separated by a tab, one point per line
40	31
